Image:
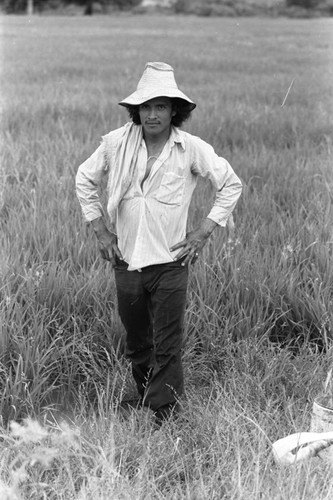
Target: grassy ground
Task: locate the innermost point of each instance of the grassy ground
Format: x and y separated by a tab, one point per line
264	95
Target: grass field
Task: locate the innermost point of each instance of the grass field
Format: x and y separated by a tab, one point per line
259	323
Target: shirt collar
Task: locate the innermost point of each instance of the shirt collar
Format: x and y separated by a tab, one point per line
176	137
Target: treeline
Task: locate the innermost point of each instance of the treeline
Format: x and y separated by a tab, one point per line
197	7
88	6
305	8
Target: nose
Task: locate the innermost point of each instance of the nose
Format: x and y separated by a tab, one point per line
152	112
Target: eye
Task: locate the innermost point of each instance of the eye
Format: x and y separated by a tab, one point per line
144	107
161	107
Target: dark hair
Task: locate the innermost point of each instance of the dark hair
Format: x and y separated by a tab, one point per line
183	110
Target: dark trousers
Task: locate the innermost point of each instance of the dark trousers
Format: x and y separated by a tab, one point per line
151	306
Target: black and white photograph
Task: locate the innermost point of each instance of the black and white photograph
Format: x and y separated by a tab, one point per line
166	250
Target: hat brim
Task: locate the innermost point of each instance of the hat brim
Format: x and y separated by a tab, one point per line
139	97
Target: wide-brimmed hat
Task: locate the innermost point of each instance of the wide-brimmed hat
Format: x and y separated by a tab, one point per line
158	80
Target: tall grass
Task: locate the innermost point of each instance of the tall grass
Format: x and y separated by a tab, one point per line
258	329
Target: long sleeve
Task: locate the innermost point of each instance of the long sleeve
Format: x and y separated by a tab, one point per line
206	163
88	178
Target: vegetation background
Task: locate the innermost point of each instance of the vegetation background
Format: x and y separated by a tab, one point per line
258	330
291	8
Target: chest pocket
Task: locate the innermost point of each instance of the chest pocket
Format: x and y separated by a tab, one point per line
171	189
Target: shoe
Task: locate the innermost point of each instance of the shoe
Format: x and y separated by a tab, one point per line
166	413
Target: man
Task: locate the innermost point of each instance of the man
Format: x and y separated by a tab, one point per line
152	168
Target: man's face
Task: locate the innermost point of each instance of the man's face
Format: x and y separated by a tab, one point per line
156	115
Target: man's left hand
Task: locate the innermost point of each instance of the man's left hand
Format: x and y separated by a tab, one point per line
194	242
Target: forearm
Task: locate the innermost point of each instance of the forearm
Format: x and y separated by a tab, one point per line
107	241
87	180
227	184
99	227
207	226
225	202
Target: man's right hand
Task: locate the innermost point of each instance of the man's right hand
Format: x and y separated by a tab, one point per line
107	241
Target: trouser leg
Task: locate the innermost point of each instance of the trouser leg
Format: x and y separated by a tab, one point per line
133	307
168	287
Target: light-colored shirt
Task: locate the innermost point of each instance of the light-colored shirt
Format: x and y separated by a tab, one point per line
152	215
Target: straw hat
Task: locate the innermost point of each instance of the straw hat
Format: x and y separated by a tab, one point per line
157	80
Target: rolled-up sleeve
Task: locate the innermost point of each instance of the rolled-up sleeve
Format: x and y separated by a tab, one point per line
207	163
88	178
